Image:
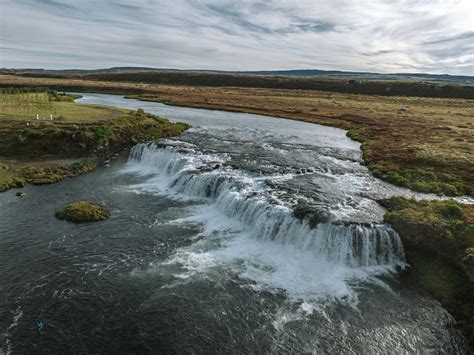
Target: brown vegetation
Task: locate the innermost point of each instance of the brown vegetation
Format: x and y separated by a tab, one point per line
427	146
210	79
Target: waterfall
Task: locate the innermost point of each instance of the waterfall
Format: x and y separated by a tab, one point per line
248	199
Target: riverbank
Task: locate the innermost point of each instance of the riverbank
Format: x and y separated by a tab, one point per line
40	152
421	143
438	238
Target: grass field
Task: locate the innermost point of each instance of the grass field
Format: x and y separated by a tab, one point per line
380	87
17	105
422	143
42	151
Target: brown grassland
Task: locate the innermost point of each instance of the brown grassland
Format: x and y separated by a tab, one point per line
428	147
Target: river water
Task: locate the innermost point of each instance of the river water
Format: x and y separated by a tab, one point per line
246	234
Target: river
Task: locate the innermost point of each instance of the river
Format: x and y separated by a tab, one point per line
246	234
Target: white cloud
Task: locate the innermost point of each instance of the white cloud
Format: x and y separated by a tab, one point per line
374	35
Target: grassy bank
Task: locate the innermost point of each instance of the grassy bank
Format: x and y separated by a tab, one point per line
438	237
419	143
442	228
47	151
40	103
422	143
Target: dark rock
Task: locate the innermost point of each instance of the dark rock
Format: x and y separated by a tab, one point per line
468	263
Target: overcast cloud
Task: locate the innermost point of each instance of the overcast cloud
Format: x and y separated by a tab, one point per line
377	35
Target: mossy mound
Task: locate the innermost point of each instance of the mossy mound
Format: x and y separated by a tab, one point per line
82	212
43	172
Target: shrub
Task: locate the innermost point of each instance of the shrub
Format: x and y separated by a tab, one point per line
451	210
102	133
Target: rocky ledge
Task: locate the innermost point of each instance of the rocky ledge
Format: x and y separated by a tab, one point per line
438	237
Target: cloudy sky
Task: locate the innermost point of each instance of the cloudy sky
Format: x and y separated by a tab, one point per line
435	36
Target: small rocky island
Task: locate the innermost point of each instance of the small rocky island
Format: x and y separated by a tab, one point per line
82	212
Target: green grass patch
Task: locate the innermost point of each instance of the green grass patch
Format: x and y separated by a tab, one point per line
424	181
19	104
102	132
41	148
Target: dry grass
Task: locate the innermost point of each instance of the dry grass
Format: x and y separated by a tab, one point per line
428	147
26	106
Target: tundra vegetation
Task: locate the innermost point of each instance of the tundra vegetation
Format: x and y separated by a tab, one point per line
75	141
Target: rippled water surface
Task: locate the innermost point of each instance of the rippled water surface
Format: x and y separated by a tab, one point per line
246	234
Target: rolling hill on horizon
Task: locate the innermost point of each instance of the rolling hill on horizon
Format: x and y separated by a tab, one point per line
425	77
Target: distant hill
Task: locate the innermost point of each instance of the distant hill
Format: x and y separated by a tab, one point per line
350	83
432	78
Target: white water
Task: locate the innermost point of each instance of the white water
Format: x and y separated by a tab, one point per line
257	235
249	173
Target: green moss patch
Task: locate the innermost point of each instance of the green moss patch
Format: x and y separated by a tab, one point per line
82	212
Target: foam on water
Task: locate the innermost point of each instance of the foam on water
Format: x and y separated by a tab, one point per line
248	229
17	314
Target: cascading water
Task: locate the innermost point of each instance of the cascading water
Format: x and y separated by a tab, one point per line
249	200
